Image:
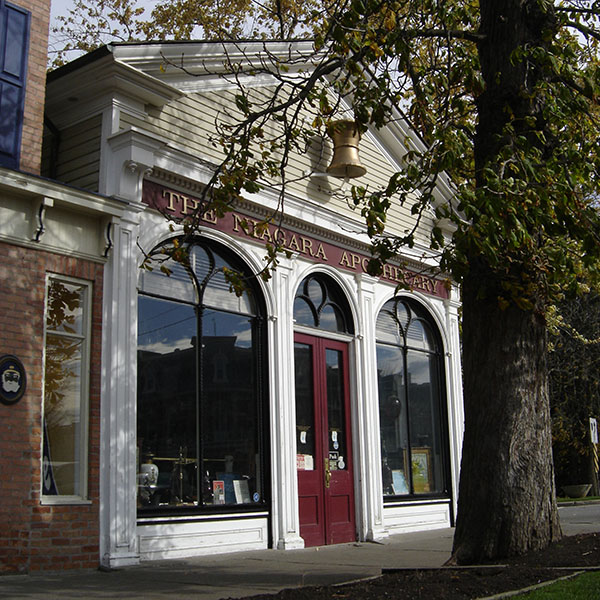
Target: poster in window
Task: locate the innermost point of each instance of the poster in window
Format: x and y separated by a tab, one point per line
305	462
219	491
242	493
421	470
399	484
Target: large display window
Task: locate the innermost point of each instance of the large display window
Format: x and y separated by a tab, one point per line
200	396
411	402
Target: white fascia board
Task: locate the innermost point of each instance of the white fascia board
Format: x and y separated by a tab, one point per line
199	66
200	58
30	187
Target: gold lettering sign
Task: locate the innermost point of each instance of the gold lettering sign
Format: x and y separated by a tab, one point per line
274	235
182	206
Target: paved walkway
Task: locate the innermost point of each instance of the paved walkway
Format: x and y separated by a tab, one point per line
240	574
266	571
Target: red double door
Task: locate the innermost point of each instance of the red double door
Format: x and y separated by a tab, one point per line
323	439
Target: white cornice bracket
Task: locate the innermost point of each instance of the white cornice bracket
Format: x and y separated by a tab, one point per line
132	156
40	206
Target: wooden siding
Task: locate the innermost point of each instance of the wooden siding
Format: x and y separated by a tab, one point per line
78	154
188	124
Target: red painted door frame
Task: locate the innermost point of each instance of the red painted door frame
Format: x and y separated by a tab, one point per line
325	481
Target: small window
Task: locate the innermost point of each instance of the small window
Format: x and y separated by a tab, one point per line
66	366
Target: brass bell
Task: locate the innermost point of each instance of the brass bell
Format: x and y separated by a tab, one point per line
345	162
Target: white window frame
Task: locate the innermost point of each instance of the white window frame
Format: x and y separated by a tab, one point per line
83	441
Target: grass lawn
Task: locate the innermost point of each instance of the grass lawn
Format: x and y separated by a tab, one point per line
583	587
566	499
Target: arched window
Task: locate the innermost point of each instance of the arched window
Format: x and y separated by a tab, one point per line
200	402
411	401
321	304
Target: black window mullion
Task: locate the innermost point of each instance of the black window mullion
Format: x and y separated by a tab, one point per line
199	395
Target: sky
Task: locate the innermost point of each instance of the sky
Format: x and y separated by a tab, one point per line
61	7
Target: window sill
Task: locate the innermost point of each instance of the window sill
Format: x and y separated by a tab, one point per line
64	500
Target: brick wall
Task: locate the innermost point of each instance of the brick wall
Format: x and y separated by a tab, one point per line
35	537
33	116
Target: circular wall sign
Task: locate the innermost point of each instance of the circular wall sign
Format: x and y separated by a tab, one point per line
13	380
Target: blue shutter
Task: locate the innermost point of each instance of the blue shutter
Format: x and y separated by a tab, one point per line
14	43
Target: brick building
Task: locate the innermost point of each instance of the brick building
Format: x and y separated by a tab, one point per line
52	242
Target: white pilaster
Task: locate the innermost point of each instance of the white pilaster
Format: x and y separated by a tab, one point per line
118	539
285	520
367	441
456	415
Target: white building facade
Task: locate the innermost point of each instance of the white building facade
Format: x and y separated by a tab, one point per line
321	406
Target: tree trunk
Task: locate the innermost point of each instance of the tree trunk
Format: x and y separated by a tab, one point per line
506	502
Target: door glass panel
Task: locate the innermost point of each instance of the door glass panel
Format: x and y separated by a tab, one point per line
393	420
335	410
424	423
305	412
166	396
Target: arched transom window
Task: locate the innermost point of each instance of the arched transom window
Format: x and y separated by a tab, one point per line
321	304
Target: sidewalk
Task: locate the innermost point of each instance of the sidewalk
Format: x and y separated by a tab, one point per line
242	574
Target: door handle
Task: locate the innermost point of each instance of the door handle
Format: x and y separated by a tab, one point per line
327	473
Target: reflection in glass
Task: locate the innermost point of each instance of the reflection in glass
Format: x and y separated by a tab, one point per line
64	311
331	319
199	398
173	281
410	401
315	292
64	393
387	328
320	303
424	423
303	314
167	416
393	420
229	407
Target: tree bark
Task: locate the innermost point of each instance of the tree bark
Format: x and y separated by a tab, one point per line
506	503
